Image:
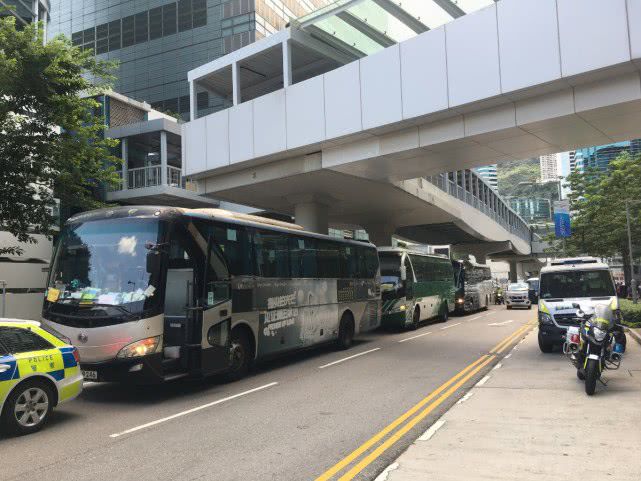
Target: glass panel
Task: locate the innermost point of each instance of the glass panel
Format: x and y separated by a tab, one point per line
128	36
469	6
199	13
102	34
370	13
114	35
155	23
169	19
349	35
141	27
184	15
426	11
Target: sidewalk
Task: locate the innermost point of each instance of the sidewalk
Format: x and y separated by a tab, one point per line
531	420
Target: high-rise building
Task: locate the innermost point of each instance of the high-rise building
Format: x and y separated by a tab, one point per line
157	42
26	11
549	167
489	174
599	157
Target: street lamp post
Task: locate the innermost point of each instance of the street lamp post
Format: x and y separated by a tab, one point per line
633	281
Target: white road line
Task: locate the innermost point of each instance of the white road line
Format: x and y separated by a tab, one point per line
498	366
466	397
508	356
482	381
451	325
427	435
192	410
414	337
348	358
473	318
500	323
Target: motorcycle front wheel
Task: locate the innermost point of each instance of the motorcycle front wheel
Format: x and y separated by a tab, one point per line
591	376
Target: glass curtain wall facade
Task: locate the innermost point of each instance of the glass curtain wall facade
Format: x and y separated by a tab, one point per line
599	157
156	42
489	174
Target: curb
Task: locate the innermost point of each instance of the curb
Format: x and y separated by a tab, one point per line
635	335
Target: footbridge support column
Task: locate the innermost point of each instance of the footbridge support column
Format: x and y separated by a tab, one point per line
513	271
310	212
380	234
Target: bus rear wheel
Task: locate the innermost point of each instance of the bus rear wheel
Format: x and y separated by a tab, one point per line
345	332
445	313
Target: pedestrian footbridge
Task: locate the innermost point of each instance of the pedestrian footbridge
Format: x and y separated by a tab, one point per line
357	102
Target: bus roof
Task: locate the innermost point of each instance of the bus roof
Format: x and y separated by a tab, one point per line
408	251
577	264
164	212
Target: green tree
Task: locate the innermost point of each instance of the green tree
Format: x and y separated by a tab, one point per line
597	202
51	134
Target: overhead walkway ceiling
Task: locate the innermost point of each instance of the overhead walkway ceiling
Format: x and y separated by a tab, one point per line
513	79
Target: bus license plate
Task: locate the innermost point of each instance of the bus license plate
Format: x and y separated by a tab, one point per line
90	375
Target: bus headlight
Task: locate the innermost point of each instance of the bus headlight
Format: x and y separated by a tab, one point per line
398	308
139	348
460	300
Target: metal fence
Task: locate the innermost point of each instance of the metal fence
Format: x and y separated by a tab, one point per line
150	176
470	188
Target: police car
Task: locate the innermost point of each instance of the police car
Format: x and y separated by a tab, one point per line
38	370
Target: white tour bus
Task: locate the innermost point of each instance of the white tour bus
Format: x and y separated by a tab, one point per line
564	286
156	293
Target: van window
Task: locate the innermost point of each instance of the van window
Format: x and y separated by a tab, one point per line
592	283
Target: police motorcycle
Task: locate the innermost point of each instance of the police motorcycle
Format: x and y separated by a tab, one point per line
596	345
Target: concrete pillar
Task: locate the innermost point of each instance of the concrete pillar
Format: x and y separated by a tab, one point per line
312	215
193	114
163	158
124	146
380	234
235	78
513	271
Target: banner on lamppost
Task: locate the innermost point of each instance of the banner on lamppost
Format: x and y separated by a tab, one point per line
562	218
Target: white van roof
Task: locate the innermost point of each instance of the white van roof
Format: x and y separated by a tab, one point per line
574	264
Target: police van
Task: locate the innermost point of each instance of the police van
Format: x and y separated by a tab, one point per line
565	286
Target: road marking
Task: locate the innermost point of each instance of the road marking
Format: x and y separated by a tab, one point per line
509	355
352	473
397	422
451	325
404	423
482	381
414	337
498	366
473	318
500	323
507	341
348	358
192	410
468	395
427	435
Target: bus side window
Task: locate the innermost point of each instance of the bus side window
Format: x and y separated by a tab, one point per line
180	277
328	260
272	254
303	257
348	262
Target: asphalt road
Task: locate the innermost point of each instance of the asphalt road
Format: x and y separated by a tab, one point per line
292	419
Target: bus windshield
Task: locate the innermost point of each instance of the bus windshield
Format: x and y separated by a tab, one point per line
590	283
105	263
390	269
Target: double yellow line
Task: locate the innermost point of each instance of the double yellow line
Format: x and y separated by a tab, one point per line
423	407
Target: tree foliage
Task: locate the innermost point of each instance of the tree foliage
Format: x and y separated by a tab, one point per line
51	140
598	206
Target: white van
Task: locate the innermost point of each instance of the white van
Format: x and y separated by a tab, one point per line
564	285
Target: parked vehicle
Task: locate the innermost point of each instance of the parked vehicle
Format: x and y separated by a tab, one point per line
566	284
597	344
414	287
474	286
533	292
152	294
38	370
517	295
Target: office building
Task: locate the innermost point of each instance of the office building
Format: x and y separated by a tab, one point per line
26	11
549	167
489	174
157	42
599	157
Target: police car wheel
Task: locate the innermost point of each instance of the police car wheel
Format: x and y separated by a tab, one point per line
28	407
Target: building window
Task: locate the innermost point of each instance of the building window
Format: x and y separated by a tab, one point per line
199	13
202	100
142	25
169	19
102	39
128	32
114	35
155	23
184	15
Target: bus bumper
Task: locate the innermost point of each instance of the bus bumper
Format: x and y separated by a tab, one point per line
139	370
552	334
394	320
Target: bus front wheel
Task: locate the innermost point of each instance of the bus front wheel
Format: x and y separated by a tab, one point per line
445	313
241	355
345	332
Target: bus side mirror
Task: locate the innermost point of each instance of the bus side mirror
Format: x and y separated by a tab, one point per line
403	273
153	262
